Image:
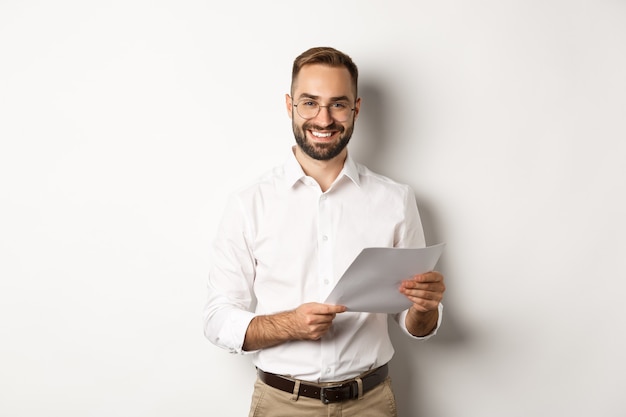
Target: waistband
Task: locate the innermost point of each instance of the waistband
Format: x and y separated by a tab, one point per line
331	393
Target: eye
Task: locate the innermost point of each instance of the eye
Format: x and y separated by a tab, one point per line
340	106
308	103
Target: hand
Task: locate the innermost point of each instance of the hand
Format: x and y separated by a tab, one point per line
312	320
424	290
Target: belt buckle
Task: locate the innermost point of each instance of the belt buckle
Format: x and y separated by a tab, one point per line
332	388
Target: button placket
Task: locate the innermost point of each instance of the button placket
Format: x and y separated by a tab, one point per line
325	276
325	260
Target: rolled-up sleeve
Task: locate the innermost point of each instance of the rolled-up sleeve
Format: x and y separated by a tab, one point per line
228	310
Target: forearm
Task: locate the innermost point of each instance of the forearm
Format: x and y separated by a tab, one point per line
268	331
421	324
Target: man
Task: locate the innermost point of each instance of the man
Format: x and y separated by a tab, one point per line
284	242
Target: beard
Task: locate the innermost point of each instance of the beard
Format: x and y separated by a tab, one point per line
322	151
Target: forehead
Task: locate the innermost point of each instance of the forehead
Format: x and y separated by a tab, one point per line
323	81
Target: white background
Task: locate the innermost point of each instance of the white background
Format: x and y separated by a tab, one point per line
125	124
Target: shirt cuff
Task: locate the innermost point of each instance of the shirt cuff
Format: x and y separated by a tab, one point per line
402	323
233	331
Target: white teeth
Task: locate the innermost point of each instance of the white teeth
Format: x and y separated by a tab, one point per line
321	135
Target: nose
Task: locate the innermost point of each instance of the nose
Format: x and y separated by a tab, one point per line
324	117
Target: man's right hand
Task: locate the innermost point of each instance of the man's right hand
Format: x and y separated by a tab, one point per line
312	320
309	321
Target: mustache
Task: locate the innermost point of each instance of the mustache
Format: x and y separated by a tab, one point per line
332	126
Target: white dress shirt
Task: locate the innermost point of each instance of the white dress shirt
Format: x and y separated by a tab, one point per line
283	242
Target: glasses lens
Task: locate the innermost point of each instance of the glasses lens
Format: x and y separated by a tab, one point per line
308	109
340	111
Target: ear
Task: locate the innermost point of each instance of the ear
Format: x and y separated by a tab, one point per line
357	108
289	105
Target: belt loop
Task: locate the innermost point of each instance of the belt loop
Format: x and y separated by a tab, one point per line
296	390
359	383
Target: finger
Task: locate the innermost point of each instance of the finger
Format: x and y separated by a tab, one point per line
423	293
330	309
427	300
409	286
431	276
415	296
425	306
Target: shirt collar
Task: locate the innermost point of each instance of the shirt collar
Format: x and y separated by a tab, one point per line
294	172
351	170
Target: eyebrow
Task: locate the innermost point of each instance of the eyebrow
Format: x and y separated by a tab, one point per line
314	97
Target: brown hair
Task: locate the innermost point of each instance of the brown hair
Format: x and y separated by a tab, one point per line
326	56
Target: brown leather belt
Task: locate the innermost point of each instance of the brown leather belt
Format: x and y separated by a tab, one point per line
332	393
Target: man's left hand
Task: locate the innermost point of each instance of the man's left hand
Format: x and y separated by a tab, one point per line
424	290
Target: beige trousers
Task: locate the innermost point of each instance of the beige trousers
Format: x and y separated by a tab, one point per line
271	402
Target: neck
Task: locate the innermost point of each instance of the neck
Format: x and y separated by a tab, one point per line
324	172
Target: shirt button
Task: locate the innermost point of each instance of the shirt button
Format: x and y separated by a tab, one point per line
327	370
326	281
324	238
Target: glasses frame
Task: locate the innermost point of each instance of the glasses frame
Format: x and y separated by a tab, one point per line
319	109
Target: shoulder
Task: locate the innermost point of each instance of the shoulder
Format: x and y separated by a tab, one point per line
261	187
373	181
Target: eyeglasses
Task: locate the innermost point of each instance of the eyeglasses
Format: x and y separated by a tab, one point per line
308	109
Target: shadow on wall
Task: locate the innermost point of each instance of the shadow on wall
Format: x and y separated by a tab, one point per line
372	148
407	366
367	145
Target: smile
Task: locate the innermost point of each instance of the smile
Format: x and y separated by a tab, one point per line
321	135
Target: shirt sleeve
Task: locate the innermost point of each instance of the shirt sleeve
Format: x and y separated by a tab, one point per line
228	310
411	235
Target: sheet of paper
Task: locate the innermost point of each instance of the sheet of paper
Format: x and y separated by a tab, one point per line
371	282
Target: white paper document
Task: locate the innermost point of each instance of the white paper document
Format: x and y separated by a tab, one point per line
371	283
